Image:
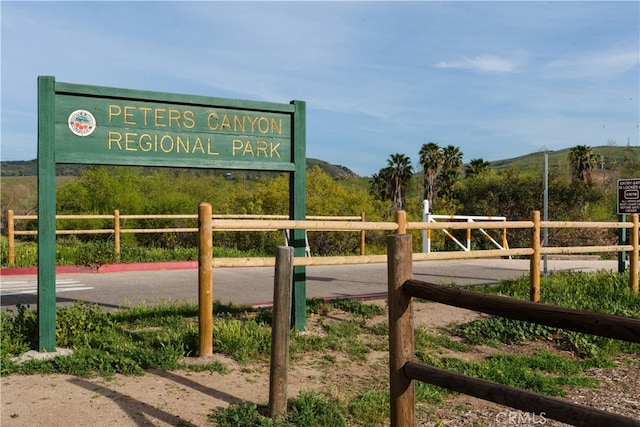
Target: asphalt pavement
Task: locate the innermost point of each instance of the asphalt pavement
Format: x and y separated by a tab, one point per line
254	285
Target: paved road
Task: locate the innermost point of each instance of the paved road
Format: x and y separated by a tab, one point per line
254	285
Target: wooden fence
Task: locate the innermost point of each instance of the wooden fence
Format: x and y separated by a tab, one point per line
401	226
358	223
118	230
403	370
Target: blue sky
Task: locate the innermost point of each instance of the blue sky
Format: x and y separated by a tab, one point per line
496	79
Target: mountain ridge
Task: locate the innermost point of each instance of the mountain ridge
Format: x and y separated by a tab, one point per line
607	156
30	168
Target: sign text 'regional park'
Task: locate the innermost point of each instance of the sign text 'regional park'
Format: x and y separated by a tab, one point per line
133	131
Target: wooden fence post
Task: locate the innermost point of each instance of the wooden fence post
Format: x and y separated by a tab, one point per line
205	282
633	262
401	220
505	244
11	238
280	327
534	264
401	342
362	240
116	232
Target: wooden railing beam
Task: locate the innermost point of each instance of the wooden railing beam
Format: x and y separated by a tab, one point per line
534	403
606	325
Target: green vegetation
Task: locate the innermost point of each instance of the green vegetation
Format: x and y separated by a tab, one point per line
101	190
308	409
602	292
341	334
582	187
143	337
72	251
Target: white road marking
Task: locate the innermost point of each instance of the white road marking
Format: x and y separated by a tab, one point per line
30	287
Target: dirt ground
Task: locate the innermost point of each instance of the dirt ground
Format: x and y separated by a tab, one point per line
185	398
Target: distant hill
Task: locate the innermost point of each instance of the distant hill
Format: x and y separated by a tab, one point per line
335	171
19	168
609	157
30	168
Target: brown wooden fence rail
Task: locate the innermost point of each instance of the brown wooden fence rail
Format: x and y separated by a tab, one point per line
118	230
403	370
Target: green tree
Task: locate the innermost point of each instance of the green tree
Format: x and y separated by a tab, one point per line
400	173
583	162
431	161
630	167
477	167
329	197
379	185
452	158
509	193
451	169
391	182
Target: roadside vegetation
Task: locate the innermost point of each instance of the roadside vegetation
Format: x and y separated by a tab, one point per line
341	335
583	186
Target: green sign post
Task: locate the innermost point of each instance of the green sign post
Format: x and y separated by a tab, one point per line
98	125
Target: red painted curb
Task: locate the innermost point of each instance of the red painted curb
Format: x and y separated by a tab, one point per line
148	266
107	268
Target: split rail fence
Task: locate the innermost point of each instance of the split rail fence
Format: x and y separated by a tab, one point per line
358	223
401	226
404	370
118	230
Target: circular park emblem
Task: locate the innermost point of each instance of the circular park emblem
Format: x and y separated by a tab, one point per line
82	123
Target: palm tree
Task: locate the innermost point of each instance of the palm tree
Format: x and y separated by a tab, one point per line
431	161
379	185
451	168
477	167
583	162
400	173
452	158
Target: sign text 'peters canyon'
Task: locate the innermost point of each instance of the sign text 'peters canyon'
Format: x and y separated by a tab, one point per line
198	131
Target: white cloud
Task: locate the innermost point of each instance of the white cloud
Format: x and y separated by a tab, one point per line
598	64
481	63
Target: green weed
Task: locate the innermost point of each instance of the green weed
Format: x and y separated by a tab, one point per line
242	340
212	367
425	340
243	414
309	409
603	292
314	410
371	408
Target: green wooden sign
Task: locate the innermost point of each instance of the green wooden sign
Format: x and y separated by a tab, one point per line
108	126
112	126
